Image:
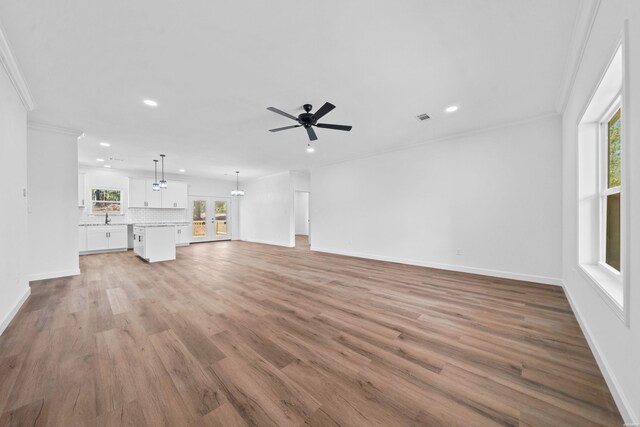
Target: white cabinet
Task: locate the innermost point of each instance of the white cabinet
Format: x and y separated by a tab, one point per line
155	243
97	238
118	237
175	195
137	193
138	245
82	238
107	237
183	237
81	190
141	194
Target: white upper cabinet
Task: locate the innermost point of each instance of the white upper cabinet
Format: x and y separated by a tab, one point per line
154	198
175	195
137	193
141	194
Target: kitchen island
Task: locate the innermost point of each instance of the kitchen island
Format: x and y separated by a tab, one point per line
155	242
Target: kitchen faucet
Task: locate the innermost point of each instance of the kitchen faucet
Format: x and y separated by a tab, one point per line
107	220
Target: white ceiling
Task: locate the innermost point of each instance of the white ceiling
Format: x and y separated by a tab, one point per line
215	66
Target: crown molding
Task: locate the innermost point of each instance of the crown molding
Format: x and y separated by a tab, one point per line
13	71
46	127
582	29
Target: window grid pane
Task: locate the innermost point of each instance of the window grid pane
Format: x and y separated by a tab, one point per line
612	253
613	151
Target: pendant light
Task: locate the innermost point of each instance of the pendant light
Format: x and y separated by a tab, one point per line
155	185
237	192
163	183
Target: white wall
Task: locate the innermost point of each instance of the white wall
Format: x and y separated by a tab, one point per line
301	208
495	195
14	286
301	180
616	345
52	165
267	211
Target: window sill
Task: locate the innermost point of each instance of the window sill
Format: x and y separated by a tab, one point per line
609	286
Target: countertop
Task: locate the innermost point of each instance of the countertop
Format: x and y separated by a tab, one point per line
158	224
137	224
101	225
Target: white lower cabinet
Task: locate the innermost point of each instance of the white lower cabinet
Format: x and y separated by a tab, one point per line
82	238
155	243
107	237
182	235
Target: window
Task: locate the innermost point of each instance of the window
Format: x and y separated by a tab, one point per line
610	188
602	216
105	201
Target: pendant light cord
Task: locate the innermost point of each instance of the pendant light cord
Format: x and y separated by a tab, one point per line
155	164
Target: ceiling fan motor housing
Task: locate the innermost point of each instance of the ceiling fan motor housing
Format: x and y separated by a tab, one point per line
307	119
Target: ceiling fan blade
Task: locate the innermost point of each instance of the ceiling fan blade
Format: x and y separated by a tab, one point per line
312	133
282	113
284	128
323	110
335	127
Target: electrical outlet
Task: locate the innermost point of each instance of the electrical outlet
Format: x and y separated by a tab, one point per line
458	251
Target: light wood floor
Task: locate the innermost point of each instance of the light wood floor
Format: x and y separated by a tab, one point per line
234	333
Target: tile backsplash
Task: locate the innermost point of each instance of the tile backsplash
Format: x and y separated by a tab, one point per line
156	215
135	215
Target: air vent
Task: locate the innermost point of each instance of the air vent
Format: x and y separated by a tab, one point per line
115	159
423	117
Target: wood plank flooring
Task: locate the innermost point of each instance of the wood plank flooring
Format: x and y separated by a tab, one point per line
242	334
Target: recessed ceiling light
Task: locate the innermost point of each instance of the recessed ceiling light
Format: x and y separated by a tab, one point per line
150	102
107	166
182	170
451	109
105	144
310	149
99	160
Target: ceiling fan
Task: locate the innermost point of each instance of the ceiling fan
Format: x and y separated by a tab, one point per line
308	120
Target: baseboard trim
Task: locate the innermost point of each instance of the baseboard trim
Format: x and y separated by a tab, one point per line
54	274
623	404
269	242
450	267
9	317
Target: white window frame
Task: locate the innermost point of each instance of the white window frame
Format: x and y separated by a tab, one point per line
603	179
120	212
605	280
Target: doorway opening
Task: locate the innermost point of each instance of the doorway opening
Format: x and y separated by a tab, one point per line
302	219
210	218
